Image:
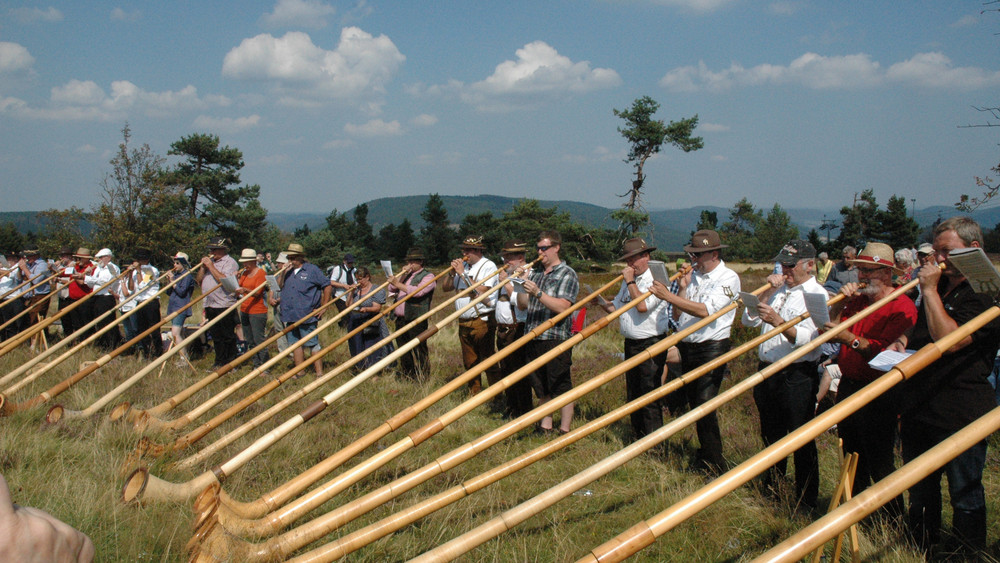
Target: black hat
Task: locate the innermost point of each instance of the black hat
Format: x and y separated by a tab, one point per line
634	246
218	242
472	243
142	254
796	250
414	253
514	246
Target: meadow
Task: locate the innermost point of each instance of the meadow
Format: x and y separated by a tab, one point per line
75	468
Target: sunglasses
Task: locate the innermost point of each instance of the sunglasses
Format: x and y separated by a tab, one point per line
544	248
697	254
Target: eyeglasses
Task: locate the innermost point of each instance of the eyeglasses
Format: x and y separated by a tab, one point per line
696	254
787	267
544	248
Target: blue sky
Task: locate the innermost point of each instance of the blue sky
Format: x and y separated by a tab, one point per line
335	103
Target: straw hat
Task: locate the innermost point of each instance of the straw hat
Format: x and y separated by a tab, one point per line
83	252
634	246
925	249
295	249
181	256
248	255
282	258
878	254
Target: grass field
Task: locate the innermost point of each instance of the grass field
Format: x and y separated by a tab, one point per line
75	469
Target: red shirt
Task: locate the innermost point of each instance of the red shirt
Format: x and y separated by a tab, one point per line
880	328
78	289
255	305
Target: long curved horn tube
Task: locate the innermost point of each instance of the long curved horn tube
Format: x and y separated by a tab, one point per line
143	420
19	338
12	290
6	407
816	534
646	532
360	538
205	503
344	388
58	412
213	541
62	343
146	448
151	487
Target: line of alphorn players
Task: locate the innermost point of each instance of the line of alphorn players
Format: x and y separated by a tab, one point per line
953	392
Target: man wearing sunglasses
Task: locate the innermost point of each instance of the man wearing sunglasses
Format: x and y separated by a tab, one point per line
710	286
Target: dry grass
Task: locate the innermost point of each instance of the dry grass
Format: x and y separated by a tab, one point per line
75	469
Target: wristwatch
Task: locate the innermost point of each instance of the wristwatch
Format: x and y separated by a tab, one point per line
855	344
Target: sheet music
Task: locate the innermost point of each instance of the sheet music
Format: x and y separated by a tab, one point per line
659	272
977	268
272	282
386	267
887	359
816	305
229	284
750	301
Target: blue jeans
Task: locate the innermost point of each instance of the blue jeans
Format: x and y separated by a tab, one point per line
965	485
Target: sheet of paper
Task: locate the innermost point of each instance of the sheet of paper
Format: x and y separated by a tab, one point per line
977	268
659	272
386	267
272	282
886	359
229	284
750	301
816	305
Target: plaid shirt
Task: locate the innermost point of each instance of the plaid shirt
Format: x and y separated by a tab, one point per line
561	282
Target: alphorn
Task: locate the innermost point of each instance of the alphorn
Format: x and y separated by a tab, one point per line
30	331
216	502
141	485
819	532
309	388
6	407
62	343
390	524
148	419
646	532
59	412
209	542
17	287
147	448
510	518
19	338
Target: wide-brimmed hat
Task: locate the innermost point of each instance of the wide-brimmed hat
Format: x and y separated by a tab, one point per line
66	251
472	243
82	252
634	246
282	258
414	253
925	248
218	242
248	255
705	240
142	254
181	256
796	250
877	254
31	252
295	249
514	246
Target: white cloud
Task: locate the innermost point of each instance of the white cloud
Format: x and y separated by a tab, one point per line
79	100
86	149
424	120
32	15
718	158
539	71
845	72
966	21
226	124
936	70
14	58
118	14
298	13
810	70
338	144
374	128
360	66
712	128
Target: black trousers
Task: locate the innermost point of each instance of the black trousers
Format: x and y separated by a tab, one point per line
223	335
642	379
786	401
147	317
702	390
416	363
112	338
518	395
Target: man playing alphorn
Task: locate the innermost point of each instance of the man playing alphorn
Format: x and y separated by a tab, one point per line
416	363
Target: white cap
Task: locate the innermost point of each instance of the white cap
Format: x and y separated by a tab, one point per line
104	252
